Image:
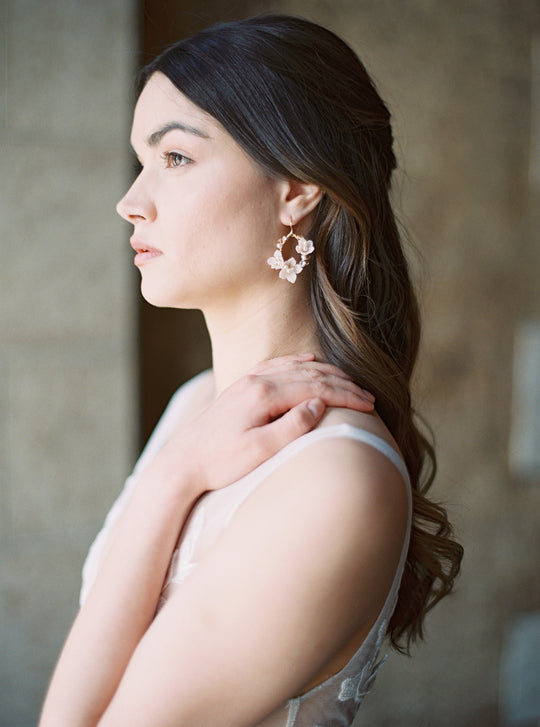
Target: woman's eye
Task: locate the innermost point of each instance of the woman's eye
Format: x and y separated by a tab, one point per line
175	159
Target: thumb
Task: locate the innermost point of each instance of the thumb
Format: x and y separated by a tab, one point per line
317	408
297	421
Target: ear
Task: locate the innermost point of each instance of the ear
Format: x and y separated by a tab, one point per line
298	199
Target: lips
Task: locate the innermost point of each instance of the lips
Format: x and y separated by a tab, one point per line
144	252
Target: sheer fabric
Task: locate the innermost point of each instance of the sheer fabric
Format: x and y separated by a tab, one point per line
334	702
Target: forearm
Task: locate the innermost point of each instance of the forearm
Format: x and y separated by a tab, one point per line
121	603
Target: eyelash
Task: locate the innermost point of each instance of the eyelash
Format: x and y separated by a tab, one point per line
168	157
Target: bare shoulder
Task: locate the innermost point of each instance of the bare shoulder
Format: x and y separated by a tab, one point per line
346	471
344	498
196	394
367	421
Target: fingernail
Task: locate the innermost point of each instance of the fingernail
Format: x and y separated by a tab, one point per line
368	395
316	407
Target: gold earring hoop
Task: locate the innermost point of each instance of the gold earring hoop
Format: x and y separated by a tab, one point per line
291	268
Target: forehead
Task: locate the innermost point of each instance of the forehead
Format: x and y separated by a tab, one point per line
161	102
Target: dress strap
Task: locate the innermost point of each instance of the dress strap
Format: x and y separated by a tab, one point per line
337	431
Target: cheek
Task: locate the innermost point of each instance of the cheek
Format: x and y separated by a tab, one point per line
247	212
222	223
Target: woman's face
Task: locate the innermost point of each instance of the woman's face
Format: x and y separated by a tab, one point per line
205	216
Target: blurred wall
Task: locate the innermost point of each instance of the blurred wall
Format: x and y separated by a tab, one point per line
66	317
457	76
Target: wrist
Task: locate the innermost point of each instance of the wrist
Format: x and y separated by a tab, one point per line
174	473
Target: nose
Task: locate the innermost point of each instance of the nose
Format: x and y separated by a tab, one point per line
136	204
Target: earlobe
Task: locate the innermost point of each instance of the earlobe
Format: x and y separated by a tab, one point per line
298	200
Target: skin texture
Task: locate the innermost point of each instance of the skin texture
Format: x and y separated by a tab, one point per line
215	216
305	565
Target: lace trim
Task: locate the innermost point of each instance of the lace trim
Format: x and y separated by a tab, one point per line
358	686
294	705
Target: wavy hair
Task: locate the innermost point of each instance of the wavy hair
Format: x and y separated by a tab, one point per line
302	105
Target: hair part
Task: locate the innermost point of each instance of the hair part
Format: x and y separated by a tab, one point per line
298	100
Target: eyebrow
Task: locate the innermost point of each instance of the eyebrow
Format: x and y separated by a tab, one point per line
156	137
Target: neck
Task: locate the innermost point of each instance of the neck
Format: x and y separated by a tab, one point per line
269	326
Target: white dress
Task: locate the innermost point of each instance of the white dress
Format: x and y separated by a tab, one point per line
334	702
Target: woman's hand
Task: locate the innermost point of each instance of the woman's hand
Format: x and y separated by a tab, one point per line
276	402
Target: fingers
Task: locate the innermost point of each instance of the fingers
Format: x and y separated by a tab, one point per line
303	367
297	421
278	394
275	387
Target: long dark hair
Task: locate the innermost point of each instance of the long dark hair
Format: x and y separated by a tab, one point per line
303	106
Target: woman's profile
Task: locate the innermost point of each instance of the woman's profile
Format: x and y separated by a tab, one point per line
276	528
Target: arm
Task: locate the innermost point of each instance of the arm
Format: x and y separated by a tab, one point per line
243	428
122	602
306	561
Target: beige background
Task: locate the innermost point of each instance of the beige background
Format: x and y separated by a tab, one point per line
458	78
66	317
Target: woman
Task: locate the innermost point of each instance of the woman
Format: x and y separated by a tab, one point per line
275	528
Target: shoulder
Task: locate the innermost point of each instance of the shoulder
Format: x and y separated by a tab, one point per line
343	499
369	422
192	394
349	456
186	402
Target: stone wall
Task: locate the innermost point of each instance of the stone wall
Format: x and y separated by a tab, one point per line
457	76
66	318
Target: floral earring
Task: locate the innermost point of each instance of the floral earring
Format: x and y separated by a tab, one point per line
289	269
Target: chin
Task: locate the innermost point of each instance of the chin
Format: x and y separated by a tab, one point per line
158	296
161	296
